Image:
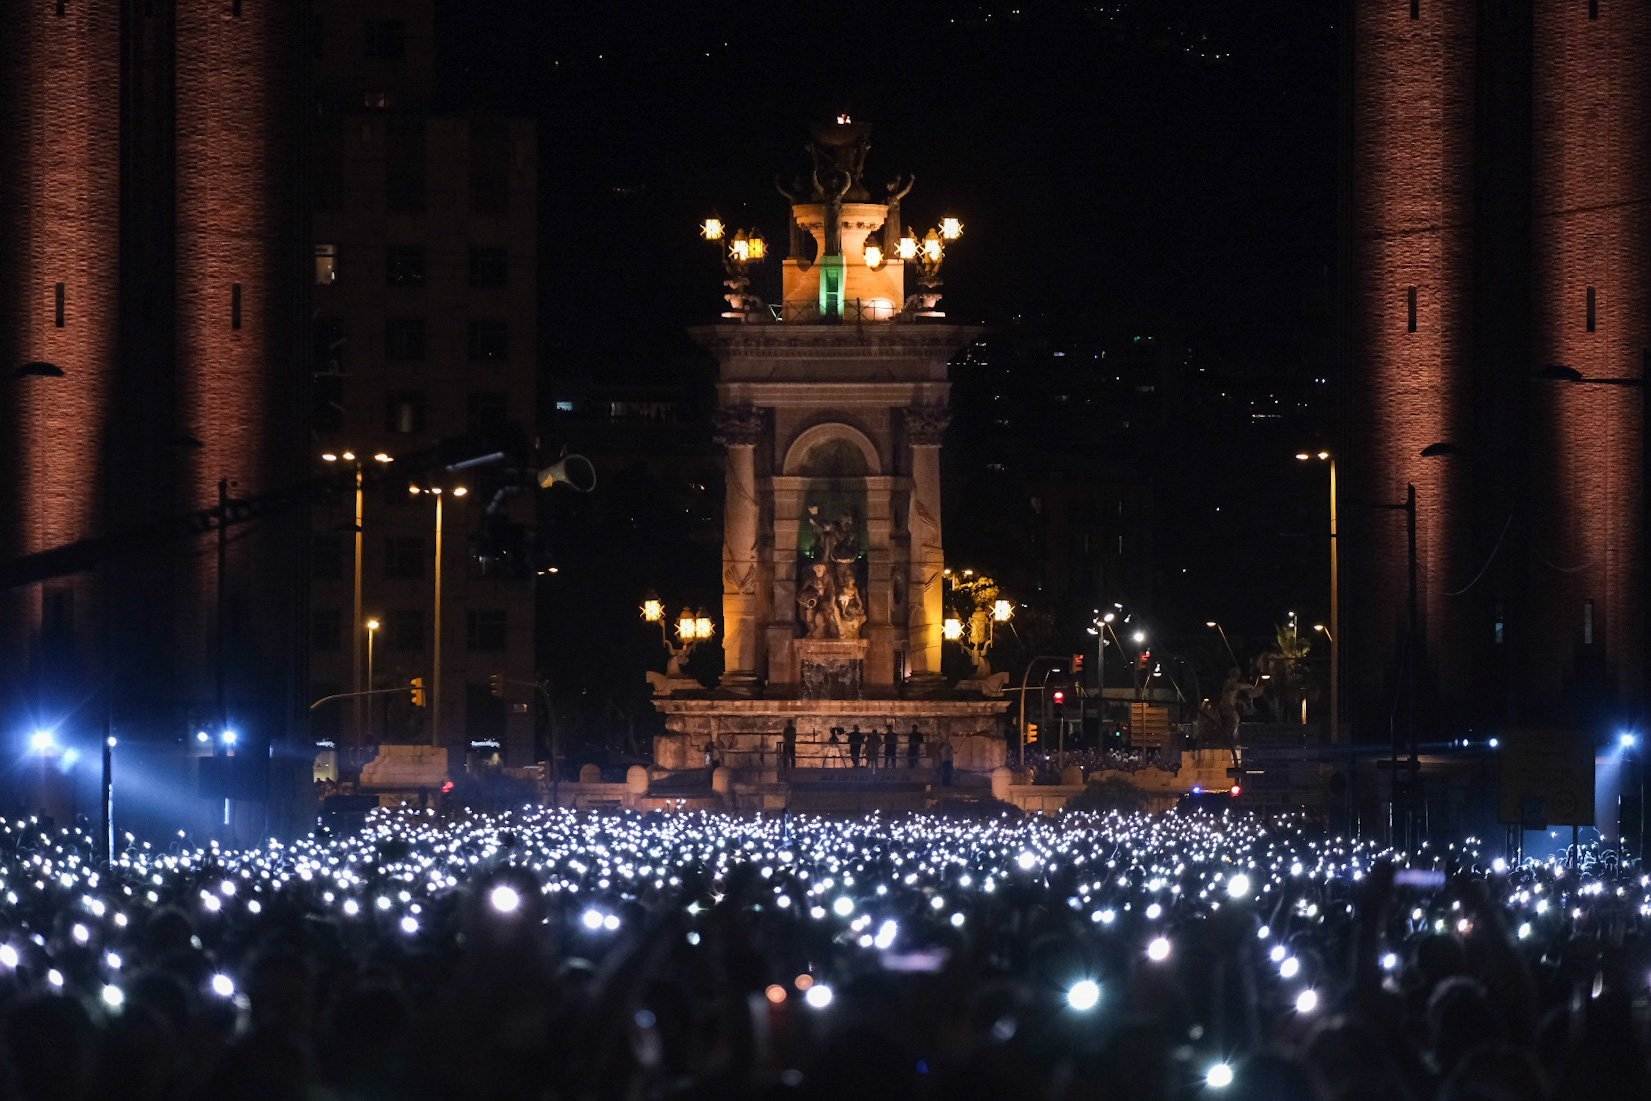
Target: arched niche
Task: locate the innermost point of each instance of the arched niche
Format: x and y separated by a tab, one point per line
833	450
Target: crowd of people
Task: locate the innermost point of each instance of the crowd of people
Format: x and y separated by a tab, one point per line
556	954
1049	766
883	749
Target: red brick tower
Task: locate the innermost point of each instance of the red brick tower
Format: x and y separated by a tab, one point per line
152	252
59	235
1591	306
1409	224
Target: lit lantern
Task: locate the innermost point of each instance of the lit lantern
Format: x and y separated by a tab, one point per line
703	627
740	249
757	245
874	256
953	629
1002	610
932	249
711	229
687	627
908	247
951	229
653	609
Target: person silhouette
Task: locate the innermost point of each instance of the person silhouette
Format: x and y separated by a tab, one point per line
874	746
891	747
788	746
855	740
834	748
914	746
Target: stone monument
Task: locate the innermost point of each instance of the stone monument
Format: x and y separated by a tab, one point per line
831	408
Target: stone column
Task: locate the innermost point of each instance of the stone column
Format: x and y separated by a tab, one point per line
739	429
925	425
782	607
880	626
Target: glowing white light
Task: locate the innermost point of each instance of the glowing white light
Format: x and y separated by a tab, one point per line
610	922
843	907
223	985
55	977
1027	861
592	919
351	907
886	933
1158	950
1390	961
1290	968
80	933
409	924
1219	1076
1524	930
1084	995
8	956
504	899
113	996
1238	886
818	996
1307	1001
957	920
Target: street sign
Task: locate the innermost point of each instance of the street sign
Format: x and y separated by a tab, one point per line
1547	778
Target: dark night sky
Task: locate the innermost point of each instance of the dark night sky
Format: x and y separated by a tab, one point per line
1140	162
1160	166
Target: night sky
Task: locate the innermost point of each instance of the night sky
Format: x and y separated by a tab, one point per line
1165	167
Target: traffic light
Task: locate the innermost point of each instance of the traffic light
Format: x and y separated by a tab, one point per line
1143	660
1077	663
415	691
1031	733
1058	698
495	685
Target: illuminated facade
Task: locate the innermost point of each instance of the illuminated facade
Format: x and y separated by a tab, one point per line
1496	236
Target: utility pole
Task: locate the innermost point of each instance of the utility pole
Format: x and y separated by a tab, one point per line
1413	656
223	559
1335	614
435	669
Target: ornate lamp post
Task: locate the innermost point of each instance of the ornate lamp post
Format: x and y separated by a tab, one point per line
745	248
692	628
929	252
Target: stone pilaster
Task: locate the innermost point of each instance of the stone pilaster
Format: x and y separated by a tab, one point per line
925	425
739	429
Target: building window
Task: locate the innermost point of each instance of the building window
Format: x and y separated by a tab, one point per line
404	412
487	411
328	333
1593	316
489	341
1415	9
235	305
327	557
324	630
404	266
59	302
404	631
489	267
484	629
489	167
404	164
1410	306
564	407
385	39
403	558
326	265
404	339
485	715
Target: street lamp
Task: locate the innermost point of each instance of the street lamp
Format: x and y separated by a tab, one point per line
692	628
1333	632
348	455
435	665
1325	631
372	626
744	248
1218	630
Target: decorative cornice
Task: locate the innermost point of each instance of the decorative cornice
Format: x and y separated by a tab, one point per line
848	340
740	425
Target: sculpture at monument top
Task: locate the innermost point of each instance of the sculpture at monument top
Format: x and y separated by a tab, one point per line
837	157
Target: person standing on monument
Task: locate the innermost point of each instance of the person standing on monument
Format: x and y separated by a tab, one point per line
788	747
914	746
834	748
891	747
855	740
874	746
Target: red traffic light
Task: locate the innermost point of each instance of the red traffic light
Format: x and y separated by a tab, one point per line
1060	697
